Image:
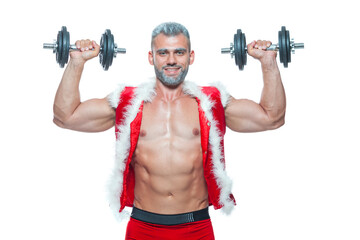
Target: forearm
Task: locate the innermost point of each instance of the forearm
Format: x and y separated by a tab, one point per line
273	99
67	97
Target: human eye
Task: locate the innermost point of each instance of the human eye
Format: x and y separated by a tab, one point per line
162	52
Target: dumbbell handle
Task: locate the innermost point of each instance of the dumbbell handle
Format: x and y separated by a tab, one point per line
293	46
73	47
273	47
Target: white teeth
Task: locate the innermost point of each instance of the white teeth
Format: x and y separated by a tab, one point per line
172	69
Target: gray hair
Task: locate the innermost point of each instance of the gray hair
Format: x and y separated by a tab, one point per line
170	29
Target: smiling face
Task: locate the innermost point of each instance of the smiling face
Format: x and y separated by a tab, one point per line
171	58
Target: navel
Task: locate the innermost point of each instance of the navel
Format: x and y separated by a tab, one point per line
196	132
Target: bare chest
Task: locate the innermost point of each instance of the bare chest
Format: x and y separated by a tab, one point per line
176	119
169	140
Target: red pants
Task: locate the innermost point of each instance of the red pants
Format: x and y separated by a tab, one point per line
138	230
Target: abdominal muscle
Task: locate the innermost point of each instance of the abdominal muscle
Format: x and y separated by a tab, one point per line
169	176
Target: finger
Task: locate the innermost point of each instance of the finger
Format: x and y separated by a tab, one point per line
265	44
260	45
82	42
86	44
251	46
268	43
95	45
83	45
96	48
257	44
78	44
90	46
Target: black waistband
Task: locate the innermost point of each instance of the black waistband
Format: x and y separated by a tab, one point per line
170	219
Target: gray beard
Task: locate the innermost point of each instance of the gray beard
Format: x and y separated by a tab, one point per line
171	81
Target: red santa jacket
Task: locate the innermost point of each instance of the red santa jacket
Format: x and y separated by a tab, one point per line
128	102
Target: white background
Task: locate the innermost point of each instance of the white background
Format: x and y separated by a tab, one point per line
301	181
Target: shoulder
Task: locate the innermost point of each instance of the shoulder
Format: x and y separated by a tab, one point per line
217	91
123	94
120	92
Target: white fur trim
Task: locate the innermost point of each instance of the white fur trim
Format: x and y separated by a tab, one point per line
144	92
114	97
218	168
225	96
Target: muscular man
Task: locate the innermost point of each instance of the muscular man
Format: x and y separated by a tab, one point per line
169	152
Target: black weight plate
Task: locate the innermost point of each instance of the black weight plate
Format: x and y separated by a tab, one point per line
288	47
286	51
60	49
103	52
235	48
243	51
66	45
101	48
106	50
281	49
282	46
57	47
238	49
110	49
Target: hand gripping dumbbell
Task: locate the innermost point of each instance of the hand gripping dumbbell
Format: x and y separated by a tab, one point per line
285	47
62	47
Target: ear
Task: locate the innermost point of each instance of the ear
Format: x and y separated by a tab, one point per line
192	57
151	58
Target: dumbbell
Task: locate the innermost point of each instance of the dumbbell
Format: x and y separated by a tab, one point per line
62	47
285	48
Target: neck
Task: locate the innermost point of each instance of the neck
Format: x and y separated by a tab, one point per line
168	93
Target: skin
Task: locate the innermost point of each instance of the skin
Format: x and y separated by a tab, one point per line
168	168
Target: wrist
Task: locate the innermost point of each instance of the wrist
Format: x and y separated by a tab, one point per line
76	63
268	63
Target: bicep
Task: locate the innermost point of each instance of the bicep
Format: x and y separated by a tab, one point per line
244	115
93	115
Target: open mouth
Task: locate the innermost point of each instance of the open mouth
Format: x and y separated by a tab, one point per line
172	70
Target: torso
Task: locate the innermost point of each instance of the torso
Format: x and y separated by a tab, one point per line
169	177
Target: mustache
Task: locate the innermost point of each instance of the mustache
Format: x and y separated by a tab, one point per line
176	66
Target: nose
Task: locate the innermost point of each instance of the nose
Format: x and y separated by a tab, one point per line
171	59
